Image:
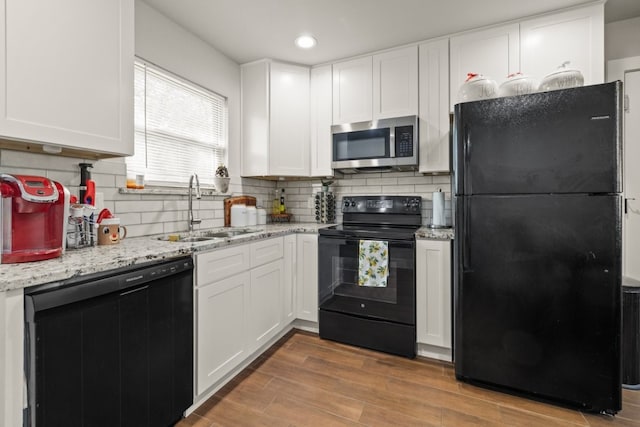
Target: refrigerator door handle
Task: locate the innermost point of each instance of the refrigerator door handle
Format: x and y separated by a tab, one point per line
466	185
466	251
626	204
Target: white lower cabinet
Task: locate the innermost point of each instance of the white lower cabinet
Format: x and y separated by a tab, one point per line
307	277
433	298
289	278
222	317
239	306
265	304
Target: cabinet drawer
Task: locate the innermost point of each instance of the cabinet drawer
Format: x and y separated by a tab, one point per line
216	265
265	251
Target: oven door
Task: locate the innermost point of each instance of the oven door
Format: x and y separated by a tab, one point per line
339	269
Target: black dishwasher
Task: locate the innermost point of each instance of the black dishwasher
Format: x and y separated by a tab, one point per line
111	349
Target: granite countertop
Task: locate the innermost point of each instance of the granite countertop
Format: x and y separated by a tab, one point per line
130	251
434	233
140	250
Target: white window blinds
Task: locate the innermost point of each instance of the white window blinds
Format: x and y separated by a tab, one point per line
180	128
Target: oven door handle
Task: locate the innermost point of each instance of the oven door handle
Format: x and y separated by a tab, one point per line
397	243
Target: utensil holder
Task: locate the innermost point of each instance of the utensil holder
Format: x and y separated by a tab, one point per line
82	232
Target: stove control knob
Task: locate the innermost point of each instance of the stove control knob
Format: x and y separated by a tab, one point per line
346	203
353	204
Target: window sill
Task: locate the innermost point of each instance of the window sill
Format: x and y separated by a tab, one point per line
170	191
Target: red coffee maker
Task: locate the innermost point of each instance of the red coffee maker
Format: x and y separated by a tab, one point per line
33	213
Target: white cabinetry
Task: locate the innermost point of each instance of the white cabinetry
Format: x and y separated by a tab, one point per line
375	87
239	306
275	119
289	278
352	90
321	107
434	107
575	35
395	83
307	277
433	298
66	74
493	52
222	317
11	357
265	303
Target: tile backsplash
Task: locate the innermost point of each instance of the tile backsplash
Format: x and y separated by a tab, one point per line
300	194
146	214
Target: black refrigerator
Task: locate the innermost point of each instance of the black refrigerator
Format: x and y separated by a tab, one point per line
537	249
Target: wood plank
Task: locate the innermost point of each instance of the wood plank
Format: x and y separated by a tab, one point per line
304	380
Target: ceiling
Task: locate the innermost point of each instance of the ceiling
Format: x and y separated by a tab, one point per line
247	30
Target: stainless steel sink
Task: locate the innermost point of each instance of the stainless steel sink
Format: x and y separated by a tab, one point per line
227	233
179	238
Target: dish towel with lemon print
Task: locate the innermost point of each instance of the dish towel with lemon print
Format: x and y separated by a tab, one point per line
373	263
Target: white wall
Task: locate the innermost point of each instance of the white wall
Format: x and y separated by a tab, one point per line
622	39
170	46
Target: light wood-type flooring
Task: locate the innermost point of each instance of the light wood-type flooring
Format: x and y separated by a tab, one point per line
305	381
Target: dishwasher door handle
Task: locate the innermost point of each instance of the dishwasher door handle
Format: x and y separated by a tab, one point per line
142	288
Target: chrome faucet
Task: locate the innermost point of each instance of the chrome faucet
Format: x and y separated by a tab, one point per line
193	220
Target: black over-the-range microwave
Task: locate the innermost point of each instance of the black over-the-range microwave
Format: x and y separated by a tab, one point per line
378	145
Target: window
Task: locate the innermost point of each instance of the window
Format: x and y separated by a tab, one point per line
180	128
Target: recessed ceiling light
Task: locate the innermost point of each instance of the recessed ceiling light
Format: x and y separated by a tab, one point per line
305	42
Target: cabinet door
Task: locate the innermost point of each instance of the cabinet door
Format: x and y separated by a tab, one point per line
254	79
289	120
434	107
218	264
307	277
433	292
395	83
352	91
265	304
221	328
321	142
494	52
66	73
576	36
289	279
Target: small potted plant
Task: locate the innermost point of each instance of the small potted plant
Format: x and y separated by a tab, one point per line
221	180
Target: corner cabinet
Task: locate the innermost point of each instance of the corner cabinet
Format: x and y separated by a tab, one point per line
493	52
66	74
275	119
433	299
434	107
576	36
321	143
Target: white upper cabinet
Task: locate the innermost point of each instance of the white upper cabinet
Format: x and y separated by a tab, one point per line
575	35
493	52
434	107
395	83
275	119
376	87
321	118
352	91
66	74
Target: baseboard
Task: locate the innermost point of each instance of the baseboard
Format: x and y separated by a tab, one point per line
435	352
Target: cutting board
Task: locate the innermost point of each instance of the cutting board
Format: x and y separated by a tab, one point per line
238	200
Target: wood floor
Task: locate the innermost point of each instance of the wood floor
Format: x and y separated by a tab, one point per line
306	381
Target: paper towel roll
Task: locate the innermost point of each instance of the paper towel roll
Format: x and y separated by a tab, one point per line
438	209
